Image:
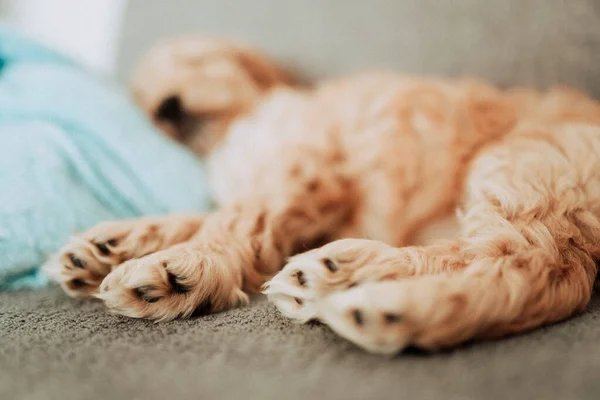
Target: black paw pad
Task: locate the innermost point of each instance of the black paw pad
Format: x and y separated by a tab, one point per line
76	283
358	317
77	262
147	293
204	308
391	318
177	286
329	264
103	249
301	278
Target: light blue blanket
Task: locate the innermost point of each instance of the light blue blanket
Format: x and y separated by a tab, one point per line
74	151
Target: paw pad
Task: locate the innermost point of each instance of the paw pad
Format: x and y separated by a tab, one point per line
330	265
204	308
103	249
76	283
147	293
392	318
77	262
176	286
358	317
301	278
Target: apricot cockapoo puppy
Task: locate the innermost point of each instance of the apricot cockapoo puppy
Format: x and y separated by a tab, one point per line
374	168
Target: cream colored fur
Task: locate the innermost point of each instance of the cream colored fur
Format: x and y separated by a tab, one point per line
381	160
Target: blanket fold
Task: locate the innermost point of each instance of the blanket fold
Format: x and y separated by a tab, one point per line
75	150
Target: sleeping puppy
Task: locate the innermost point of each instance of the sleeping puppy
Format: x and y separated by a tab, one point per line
362	166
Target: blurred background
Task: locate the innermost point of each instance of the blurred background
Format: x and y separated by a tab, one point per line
533	42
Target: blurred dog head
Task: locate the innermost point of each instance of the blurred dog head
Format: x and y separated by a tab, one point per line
193	87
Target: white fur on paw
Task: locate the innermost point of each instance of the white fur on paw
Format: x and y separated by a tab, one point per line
366	318
311	276
148	288
80	266
88	257
295	289
174	283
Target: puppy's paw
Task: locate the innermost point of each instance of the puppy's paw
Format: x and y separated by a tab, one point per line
81	265
173	283
373	316
339	265
87	258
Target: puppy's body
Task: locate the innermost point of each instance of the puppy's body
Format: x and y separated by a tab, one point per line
376	156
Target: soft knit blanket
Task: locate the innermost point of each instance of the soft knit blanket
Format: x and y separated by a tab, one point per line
74	150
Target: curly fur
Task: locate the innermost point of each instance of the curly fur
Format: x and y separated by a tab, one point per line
375	155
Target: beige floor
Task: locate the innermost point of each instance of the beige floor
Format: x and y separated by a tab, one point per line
52	347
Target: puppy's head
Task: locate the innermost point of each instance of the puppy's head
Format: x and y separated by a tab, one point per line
193	87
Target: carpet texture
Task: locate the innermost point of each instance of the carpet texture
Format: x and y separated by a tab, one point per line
52	347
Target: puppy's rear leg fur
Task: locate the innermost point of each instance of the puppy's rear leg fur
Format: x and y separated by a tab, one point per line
530	240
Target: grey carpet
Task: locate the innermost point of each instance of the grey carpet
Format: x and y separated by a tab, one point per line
52	347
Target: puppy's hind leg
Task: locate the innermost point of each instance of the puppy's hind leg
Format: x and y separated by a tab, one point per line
530	238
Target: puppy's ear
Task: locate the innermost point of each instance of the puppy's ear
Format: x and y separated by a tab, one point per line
264	72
